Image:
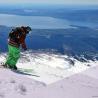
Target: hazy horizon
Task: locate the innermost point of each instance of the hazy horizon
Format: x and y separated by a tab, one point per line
64	2
47	5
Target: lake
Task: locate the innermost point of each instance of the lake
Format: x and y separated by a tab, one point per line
36	22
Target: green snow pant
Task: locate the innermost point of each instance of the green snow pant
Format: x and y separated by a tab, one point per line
13	56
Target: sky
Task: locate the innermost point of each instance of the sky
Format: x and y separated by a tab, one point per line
86	2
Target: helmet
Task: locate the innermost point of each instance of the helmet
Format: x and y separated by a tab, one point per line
28	29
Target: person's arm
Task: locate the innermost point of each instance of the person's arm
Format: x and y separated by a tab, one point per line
22	42
24	45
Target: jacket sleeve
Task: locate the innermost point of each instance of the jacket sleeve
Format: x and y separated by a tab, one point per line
23	43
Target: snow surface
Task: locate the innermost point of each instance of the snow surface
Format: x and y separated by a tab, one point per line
84	84
50	67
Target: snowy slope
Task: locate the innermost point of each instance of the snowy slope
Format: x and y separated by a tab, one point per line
14	85
50	67
81	85
76	86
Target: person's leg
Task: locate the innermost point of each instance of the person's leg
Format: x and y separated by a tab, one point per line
14	54
10	56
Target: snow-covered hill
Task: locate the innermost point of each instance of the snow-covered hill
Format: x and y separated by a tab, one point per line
50	67
81	85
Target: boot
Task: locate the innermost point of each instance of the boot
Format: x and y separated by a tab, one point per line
4	65
13	67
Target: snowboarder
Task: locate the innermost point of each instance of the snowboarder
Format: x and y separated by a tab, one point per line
16	39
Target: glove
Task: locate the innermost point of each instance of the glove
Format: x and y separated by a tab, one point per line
25	49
